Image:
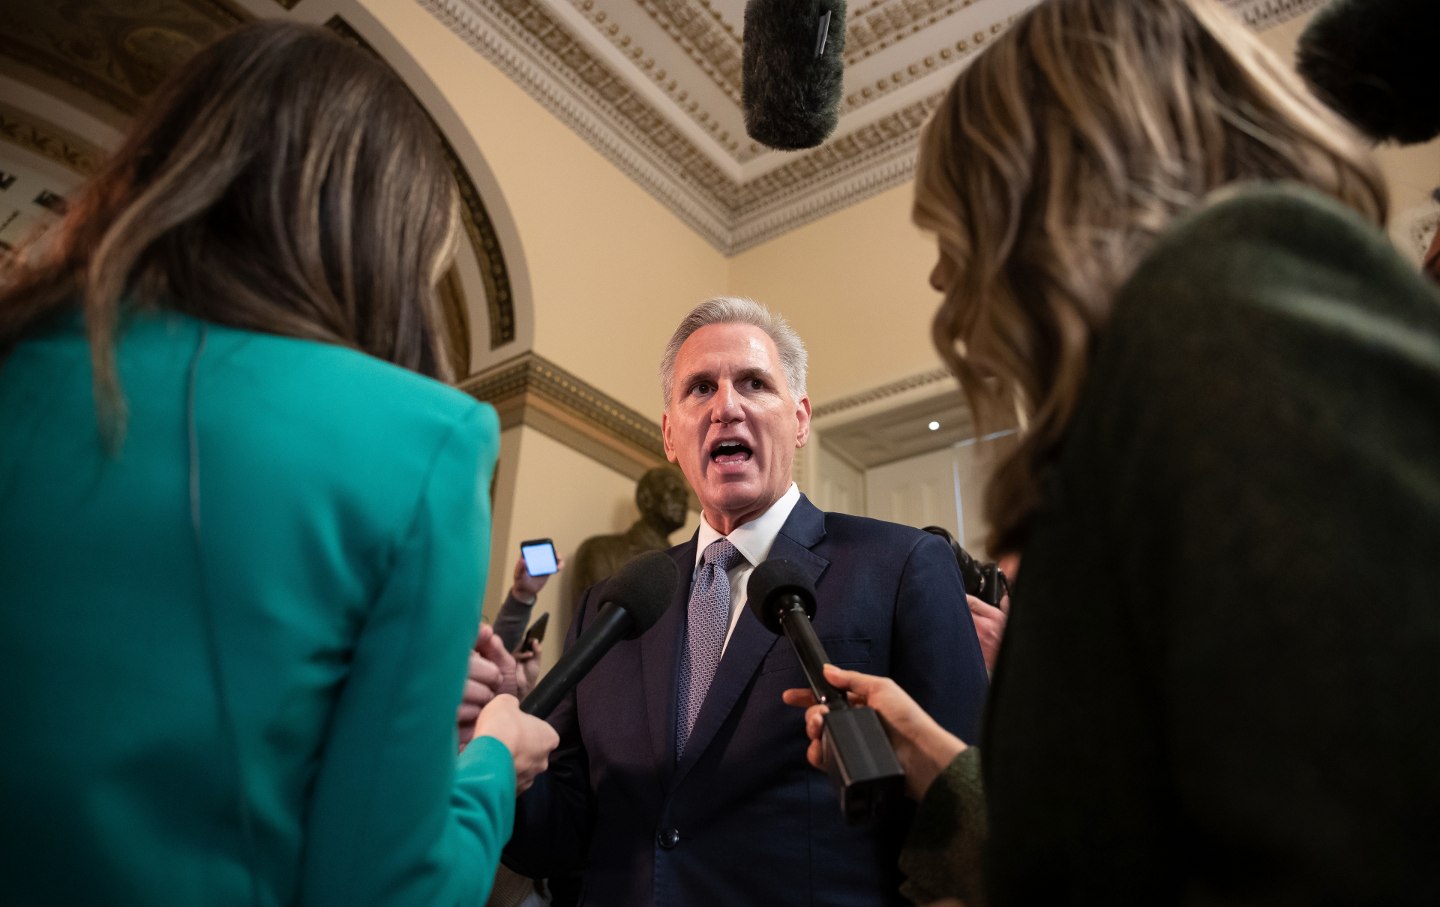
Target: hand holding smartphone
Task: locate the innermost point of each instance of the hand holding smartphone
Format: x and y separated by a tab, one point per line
539	555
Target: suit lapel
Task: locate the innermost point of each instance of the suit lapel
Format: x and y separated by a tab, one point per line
660	664
750	642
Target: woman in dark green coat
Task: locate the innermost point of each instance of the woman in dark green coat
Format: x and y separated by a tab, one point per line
242	520
1221	672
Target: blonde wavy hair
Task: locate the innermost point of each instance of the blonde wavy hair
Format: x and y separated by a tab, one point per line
1054	161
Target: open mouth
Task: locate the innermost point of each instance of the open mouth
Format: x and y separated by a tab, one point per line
729	452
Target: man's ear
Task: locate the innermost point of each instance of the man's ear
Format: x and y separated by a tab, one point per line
802	418
665	436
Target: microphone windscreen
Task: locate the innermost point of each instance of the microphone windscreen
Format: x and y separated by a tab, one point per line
778	576
791	94
644	587
1377	63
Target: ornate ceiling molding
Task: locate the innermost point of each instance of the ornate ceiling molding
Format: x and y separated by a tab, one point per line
576	86
531	390
1263	14
705	37
540	53
49	141
109	51
884	391
655	86
946	56
1418	226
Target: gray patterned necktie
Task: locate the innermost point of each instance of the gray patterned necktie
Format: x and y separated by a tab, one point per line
706	624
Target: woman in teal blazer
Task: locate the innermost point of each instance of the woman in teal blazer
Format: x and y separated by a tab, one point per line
234	620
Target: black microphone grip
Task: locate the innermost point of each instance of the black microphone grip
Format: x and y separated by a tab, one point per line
611	624
796	622
863	765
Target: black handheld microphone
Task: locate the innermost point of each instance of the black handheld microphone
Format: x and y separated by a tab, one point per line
633	600
863	766
792	71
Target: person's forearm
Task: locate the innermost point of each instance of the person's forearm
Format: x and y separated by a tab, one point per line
510	622
942	853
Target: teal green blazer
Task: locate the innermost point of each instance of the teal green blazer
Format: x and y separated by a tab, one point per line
233	651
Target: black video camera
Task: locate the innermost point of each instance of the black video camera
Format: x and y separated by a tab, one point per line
986	582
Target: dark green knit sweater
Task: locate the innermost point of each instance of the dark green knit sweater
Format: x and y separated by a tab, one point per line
1220	682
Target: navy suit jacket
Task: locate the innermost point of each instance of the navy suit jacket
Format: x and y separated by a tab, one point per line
743	818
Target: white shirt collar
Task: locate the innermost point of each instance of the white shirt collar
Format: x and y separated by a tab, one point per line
755	538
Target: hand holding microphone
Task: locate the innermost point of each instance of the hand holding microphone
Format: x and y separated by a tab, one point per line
923	747
853	746
529	740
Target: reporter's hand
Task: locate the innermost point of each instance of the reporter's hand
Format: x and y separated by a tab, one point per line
527	662
491	672
526	587
923	747
530	740
989	623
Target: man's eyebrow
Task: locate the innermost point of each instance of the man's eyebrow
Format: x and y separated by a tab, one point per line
694	375
755	371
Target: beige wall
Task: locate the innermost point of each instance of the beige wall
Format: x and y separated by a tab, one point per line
855	285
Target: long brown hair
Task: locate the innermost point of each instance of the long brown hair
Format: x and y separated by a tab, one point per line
282	181
1051	165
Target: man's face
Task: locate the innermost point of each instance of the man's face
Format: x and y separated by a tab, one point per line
731	424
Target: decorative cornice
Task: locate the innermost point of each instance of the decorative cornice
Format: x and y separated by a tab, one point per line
887	22
714	46
110	51
538	53
810	207
892	389
707	39
835	159
626	44
49	141
531	390
1263	14
1421	228
586	97
925	66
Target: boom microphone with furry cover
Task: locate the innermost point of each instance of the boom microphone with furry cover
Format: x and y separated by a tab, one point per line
1377	63
792	71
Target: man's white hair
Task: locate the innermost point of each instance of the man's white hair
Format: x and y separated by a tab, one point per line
738	310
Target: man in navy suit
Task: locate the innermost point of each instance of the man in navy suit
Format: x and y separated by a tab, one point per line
675	787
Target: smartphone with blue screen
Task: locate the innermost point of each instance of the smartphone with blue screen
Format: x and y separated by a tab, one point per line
539	557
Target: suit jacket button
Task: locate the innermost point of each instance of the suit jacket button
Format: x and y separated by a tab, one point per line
668	838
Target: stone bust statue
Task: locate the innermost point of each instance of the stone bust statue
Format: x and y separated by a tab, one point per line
663	498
